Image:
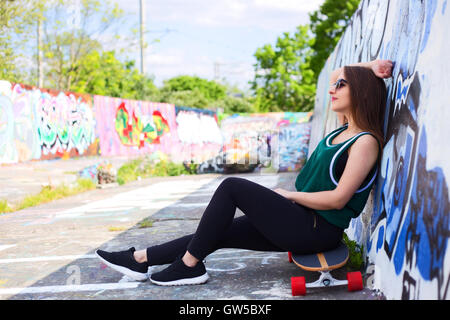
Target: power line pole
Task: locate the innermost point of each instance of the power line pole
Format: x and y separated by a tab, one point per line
216	71
40	71
142	24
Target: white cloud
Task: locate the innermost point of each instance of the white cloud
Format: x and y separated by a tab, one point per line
250	13
166	65
289	5
265	18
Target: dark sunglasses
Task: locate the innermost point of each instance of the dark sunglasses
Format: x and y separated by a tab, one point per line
339	83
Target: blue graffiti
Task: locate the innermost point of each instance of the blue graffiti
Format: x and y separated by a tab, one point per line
426	228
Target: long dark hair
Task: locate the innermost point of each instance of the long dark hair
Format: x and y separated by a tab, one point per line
368	96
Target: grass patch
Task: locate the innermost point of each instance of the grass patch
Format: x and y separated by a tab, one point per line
115	229
355	261
145	168
50	193
4	207
146	223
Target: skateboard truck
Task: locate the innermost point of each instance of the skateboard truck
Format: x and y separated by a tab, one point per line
326	280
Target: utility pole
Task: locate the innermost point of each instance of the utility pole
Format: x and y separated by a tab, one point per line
216	71
142	24
40	73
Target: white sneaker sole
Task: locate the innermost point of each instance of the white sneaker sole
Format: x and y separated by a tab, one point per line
189	281
130	273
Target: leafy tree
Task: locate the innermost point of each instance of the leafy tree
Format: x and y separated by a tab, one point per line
283	79
191	91
286	74
211	90
188	98
233	104
328	24
17	17
103	74
65	47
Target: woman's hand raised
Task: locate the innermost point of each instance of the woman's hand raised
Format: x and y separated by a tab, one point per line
382	68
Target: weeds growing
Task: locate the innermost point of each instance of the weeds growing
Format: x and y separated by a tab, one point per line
144	168
355	261
49	193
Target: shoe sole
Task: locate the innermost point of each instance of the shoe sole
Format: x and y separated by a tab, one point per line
189	281
130	273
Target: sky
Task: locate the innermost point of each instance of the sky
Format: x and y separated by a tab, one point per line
211	39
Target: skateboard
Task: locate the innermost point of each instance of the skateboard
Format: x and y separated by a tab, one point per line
324	262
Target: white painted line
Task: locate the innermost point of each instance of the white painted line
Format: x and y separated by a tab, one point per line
7	246
175	205
212	257
70	288
48	258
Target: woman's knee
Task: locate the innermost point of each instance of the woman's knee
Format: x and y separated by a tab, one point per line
230	182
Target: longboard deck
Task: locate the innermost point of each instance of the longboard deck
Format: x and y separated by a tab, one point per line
322	261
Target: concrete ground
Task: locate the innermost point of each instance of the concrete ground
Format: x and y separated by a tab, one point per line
47	252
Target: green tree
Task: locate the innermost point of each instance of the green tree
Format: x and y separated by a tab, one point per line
191	91
283	78
66	46
328	24
286	75
17	19
233	104
103	74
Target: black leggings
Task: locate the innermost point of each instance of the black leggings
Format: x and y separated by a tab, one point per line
271	223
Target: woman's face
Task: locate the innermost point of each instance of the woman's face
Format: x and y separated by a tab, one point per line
340	97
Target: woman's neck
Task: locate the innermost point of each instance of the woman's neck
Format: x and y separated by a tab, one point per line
352	127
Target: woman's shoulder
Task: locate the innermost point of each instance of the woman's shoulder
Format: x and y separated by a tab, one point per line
365	144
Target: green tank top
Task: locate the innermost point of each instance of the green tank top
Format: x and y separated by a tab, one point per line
318	174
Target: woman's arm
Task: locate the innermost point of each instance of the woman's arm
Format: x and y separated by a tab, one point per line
361	160
322	200
381	68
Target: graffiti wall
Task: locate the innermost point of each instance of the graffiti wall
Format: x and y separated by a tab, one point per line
133	128
277	139
40	124
199	135
405	225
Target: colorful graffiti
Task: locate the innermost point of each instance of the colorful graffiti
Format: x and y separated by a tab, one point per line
405	226
199	135
39	124
261	140
293	140
134	128
44	124
133	131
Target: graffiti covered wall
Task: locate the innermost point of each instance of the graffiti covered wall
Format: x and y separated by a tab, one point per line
279	139
199	135
405	225
40	124
133	128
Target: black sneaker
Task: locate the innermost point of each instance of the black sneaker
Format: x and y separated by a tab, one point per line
178	274
124	262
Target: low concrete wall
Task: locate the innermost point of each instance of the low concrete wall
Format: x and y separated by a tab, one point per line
405	225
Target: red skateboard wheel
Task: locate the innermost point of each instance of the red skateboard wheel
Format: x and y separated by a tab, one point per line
355	282
290	257
298	286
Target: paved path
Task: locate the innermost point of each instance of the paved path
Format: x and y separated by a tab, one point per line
47	252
